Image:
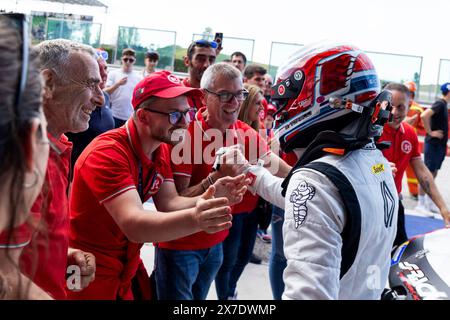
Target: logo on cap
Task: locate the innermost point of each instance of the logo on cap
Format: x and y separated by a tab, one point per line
173	79
281	90
139	92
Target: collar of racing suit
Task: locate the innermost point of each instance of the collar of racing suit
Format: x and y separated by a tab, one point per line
325	140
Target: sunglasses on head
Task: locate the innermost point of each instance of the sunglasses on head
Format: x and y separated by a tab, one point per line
130	60
101	54
21	22
206	43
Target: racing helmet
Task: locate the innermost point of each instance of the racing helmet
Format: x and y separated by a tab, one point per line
327	86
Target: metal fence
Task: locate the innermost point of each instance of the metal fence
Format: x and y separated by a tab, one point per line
80	31
443	75
390	66
279	53
142	40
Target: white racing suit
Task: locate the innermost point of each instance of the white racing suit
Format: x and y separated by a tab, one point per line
324	261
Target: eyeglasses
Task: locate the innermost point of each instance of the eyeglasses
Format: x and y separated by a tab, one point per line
101	54
175	117
126	60
21	21
225	97
206	43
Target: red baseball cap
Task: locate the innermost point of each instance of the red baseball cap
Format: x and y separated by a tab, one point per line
161	84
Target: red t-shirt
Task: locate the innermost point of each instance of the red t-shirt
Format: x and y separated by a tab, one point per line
194	102
108	167
194	159
44	260
404	147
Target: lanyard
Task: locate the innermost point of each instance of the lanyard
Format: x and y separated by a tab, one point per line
140	186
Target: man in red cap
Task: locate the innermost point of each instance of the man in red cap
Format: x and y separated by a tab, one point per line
127	166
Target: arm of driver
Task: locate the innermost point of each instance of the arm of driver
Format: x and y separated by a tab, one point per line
313	248
277	166
267	186
139	225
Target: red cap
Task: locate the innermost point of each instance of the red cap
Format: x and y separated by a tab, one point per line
161	84
271	109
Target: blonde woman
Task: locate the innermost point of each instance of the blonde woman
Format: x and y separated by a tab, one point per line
252	107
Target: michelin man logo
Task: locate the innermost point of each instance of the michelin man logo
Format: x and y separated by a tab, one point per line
299	196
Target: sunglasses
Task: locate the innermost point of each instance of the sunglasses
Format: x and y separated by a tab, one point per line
21	22
176	116
101	54
130	60
228	96
206	43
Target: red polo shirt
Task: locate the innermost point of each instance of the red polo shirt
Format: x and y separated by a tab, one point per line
108	167
194	159
44	260
404	147
194	102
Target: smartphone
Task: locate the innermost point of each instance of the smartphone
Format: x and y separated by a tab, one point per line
218	38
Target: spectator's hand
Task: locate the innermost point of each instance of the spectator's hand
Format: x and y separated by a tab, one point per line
394	168
212	214
232	188
446	216
86	262
233	162
122	81
437	134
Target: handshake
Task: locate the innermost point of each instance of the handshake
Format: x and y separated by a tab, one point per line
231	162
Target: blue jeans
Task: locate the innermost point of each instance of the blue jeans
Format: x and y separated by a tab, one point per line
277	262
237	250
186	274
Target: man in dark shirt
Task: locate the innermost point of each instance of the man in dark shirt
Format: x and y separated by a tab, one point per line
435	122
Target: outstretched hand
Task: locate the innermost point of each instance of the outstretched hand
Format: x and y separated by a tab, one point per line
233	162
232	188
85	261
446	216
212	214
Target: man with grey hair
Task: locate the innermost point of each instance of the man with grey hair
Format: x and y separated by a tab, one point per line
71	92
187	266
